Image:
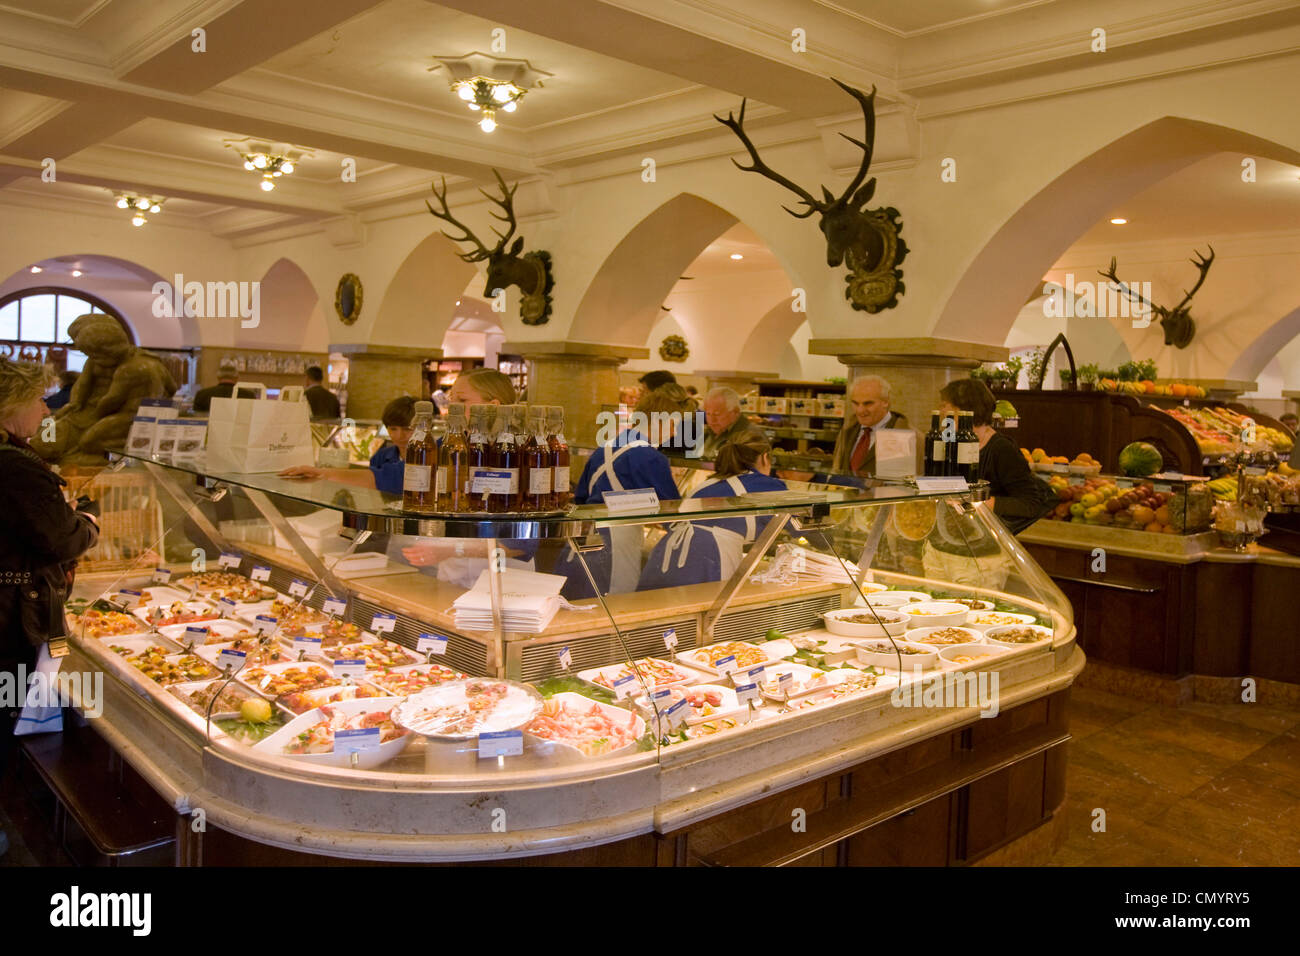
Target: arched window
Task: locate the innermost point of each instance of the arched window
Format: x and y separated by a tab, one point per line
34	325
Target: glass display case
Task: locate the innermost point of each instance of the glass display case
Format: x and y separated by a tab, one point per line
590	668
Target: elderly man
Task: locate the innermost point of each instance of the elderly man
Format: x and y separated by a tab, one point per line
855	449
723	418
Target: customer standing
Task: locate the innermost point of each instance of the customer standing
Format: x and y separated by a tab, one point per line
855	448
227	376
723	419
41	536
323	402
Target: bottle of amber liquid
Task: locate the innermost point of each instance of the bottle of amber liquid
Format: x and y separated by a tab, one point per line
453	462
559	449
505	458
535	482
419	483
480	455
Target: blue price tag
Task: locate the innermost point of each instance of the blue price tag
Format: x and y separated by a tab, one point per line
502	743
226	606
624	686
725	665
334	606
162	575
298	588
754	674
431	644
746	692
566	659
265	624
306	645
350	667
261	573
231	660
670	639
229	559
676	714
196	635
356	741
383	622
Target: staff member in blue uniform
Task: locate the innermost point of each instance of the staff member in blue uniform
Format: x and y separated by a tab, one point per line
387	465
694	552
630	462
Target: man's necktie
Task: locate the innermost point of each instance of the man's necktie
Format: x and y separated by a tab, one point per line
860	451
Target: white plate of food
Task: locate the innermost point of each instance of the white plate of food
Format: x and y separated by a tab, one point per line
197	694
273	680
705	702
165	668
106	625
216	632
299	702
936	614
879	652
747	655
655	672
178	612
462	709
376	653
149	594
985	620
309	737
806	680
413	678
1018	635
334	632
125	647
864	622
294	619
943	636
973	655
255	650
586	727
209	582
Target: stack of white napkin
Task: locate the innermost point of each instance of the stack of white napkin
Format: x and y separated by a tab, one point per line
529	600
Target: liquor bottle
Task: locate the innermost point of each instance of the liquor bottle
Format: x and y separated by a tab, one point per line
453	462
948	436
934	448
505	456
535	480
559	449
480	451
968	448
419	488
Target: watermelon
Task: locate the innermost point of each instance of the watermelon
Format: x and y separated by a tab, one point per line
1140	459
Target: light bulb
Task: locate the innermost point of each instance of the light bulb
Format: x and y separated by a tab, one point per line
487	124
1118	222
502	93
277	173
267	185
286	167
259	161
737	255
142	204
36	269
474	106
155	208
121	202
76	273
248	164
138	220
465	92
510	107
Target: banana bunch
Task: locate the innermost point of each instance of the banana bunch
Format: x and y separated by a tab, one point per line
1224	489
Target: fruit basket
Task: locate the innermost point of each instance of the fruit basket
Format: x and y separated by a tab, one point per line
1158	505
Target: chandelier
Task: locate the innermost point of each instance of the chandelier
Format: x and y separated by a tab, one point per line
488	85
138	206
270	161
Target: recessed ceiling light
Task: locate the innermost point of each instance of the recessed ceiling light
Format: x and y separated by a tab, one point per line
458	301
76	273
36	269
1118	222
737	255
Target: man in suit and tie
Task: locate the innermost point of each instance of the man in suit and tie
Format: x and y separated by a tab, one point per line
855	449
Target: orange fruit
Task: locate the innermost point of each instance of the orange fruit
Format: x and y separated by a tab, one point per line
1179	390
1154	527
1162	514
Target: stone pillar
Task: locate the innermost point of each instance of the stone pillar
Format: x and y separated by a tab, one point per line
742	382
377	374
1294	396
916	368
580	376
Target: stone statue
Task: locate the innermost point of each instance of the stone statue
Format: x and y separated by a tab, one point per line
116	378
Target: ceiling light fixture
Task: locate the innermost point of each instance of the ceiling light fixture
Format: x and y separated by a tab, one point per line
76	273
737	255
271	162
1118	222
36	269
488	85
137	206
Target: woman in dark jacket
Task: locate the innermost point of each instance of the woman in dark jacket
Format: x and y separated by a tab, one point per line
41	535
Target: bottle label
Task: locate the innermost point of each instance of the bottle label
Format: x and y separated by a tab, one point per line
940	451
968	453
560	478
416	478
539	481
489	481
442	481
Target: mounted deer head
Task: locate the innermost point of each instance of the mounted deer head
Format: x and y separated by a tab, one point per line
866	240
1178	324
530	271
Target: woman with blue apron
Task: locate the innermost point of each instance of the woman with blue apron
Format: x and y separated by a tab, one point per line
629	463
696	552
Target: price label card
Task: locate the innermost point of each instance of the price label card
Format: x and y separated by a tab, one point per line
661	696
1163	486
1248	431
162	575
231	660
676	714
261	572
624	686
226	606
785	682
1125	483
334	606
265	624
196	635
566	659
383	622
229	560
1255	470
670	639
638	499
810	435
1075	480
487	482
298	588
725	665
503	743
306	645
350	667
755	674
746	692
129	595
933	484
431	644
356	741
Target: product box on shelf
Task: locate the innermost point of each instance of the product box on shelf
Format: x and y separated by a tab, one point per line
771	405
831	407
749	403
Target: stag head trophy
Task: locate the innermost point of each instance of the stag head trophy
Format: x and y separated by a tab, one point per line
530	271
1179	326
866	240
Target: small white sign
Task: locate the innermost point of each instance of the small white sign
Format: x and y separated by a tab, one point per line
502	743
261	573
933	485
670	639
129	595
755	674
639	499
725	665
265	624
298	588
196	635
383	622
785	681
306	645
229	660
566	659
1162	486
431	644
746	692
484	482
226	606
676	714
1075	480
162	575
350	667
334	606
356	741
624	686
229	560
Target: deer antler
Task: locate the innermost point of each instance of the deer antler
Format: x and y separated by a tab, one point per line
867	144
1203	266
737	126
507	203
1136	296
482	251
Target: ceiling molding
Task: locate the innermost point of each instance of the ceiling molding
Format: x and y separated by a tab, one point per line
22	195
159	29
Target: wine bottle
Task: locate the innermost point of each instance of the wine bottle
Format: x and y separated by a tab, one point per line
968	448
453	462
480	451
505	460
934	448
948	436
559	449
536	474
419	491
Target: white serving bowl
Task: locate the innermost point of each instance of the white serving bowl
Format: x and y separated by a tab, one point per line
991	635
923	655
894	598
986	620
936	614
985	652
274	745
921	635
884	621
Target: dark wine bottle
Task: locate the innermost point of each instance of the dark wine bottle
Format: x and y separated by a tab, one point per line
968	448
948	435
934	448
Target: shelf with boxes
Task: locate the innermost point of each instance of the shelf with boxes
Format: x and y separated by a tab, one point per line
801	418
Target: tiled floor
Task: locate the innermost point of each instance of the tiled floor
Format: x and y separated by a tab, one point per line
1197	785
